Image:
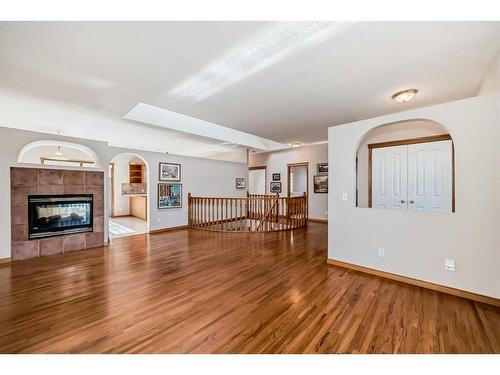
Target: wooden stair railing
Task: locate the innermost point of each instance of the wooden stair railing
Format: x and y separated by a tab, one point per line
269	212
253	213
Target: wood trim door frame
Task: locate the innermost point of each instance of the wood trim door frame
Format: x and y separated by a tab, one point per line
264	167
112	187
412	141
289	166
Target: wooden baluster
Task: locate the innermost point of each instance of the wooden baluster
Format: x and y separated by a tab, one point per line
241	215
213	213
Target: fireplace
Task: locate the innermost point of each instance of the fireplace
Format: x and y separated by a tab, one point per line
56	215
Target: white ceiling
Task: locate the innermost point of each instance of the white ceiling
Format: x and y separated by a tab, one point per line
282	81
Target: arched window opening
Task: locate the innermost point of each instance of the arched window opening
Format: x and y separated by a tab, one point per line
407	165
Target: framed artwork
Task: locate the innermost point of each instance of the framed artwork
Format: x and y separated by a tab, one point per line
320	184
322	168
169	195
240	183
276	176
275	187
170	172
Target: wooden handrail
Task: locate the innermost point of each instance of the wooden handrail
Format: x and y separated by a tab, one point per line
266	215
253	213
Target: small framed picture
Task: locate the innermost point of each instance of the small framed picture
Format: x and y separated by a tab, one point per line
169	195
320	184
276	176
275	187
170	172
240	183
322	168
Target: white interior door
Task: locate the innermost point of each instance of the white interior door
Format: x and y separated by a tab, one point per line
257	181
298	181
430	168
389	177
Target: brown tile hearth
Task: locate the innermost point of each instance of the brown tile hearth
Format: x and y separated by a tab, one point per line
24	250
24	177
98	224
44	181
73	178
19	232
74	242
97	192
51	246
50	177
95	179
94	240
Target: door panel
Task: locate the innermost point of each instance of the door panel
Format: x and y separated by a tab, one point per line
389	177
430	176
257	181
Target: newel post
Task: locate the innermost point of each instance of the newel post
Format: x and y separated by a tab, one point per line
306	213
189	209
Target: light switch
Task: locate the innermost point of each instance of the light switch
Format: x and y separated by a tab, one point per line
344	197
449	264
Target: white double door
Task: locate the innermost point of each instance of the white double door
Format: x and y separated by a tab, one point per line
413	177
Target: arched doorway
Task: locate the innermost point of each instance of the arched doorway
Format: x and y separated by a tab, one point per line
129	197
408	165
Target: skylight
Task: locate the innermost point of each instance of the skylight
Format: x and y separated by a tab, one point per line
152	115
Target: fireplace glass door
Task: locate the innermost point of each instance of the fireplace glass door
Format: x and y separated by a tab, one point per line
51	215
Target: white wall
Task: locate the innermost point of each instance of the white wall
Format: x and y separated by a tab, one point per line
11	143
393	132
277	161
416	244
491	83
200	177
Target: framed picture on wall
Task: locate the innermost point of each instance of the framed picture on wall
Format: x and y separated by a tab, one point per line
169	195
275	187
322	168
276	176
170	172
320	184
240	183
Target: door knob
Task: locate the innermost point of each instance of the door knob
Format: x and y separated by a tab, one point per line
402	201
412	201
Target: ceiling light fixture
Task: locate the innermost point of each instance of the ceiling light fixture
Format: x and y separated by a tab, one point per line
405	95
58	152
296	144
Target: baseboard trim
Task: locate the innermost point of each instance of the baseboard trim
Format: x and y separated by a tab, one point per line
5	260
424	284
323	221
171	229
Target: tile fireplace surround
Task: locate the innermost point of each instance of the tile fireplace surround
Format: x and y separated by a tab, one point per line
26	181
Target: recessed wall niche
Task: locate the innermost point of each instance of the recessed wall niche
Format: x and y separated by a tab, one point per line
407	165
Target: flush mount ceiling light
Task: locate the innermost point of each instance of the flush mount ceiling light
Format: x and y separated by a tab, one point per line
296	144
405	95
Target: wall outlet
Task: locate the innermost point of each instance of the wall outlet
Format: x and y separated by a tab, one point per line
449	264
381	252
326	213
344	197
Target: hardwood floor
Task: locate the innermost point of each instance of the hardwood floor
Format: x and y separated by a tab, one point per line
200	292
